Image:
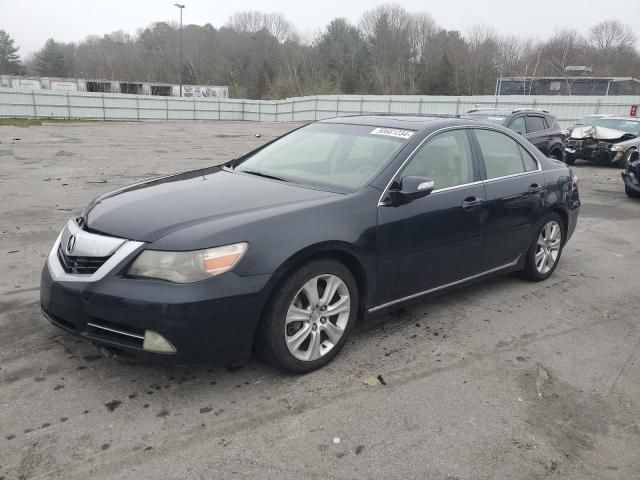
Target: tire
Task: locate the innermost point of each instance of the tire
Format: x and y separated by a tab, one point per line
295	334
569	159
549	240
631	193
624	163
556	155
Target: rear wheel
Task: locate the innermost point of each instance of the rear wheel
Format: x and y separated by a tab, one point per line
544	254
309	317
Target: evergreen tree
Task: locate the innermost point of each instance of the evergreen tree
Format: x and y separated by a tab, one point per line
9	59
50	60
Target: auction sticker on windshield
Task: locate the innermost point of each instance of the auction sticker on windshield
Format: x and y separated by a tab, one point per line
393	132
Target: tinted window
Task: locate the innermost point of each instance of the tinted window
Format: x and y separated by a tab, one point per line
501	154
446	159
518	125
535	124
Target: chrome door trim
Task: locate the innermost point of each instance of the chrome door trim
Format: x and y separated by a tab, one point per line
442	287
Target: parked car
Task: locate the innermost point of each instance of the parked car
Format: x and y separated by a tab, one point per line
284	248
609	140
538	126
631	176
588	120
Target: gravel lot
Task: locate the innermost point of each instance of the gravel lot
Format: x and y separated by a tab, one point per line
506	379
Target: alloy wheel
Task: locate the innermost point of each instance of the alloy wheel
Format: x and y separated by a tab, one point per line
548	247
317	317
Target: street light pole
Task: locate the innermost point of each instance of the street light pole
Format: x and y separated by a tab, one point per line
181	7
498	80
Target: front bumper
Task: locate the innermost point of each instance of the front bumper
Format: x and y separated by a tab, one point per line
593	153
211	320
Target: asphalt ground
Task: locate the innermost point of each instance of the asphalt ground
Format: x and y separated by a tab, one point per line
505	379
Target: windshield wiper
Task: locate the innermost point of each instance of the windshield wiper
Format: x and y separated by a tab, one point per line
261	174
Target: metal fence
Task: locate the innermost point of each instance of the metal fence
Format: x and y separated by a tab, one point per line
96	106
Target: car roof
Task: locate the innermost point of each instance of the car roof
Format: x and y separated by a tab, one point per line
489	111
408	122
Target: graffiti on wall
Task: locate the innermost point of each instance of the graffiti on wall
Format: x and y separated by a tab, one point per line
204	91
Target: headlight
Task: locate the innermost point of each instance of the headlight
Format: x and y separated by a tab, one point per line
187	267
617	148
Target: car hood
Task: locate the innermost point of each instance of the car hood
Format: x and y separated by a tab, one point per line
148	211
601	133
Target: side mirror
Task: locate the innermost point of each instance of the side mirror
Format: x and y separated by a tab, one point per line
410	189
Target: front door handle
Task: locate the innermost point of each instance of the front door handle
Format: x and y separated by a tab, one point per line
535	188
470	203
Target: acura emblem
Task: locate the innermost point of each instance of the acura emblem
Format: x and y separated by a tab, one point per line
71	243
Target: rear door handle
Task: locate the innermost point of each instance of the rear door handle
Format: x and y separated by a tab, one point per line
535	188
470	203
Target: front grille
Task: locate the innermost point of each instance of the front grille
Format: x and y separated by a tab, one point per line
80	265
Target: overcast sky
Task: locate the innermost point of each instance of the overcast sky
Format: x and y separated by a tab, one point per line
31	22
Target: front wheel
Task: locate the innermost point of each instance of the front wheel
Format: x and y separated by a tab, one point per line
544	254
309	317
631	193
569	159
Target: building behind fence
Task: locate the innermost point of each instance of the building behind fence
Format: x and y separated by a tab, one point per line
111	86
99	106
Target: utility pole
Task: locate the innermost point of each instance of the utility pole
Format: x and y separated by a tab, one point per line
181	7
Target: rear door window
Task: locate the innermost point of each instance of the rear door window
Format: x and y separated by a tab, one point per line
502	155
535	124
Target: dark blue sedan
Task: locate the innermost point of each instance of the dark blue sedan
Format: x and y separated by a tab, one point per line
284	249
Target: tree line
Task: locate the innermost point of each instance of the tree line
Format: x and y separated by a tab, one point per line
389	51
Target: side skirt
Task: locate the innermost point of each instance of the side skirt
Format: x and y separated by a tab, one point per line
448	285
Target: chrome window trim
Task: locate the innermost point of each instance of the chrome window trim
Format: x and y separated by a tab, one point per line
125	248
478	182
442	287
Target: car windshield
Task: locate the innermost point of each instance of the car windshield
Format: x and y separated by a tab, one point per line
587	120
334	155
626	126
492	117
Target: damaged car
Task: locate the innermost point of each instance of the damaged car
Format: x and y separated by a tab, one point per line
610	140
631	176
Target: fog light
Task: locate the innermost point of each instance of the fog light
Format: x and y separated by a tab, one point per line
154	342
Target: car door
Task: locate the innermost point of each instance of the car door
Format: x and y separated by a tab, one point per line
537	132
515	192
434	240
